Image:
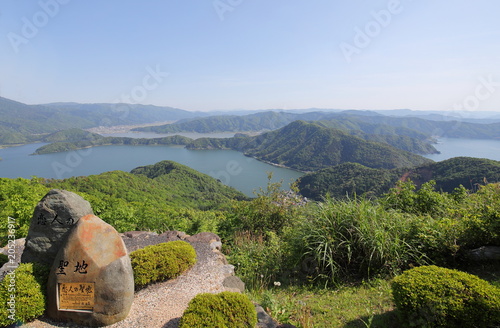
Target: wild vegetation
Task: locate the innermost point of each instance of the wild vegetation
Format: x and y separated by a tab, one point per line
283	245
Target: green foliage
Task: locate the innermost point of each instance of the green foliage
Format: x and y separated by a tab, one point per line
431	296
451	173
259	259
258	234
18	198
346	180
356	238
23	294
452	223
426	200
223	310
162	261
272	210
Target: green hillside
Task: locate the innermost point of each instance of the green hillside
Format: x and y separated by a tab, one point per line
350	178
347	180
449	174
186	183
164	183
310	146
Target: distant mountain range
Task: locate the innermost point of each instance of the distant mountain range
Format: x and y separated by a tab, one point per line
21	123
366	121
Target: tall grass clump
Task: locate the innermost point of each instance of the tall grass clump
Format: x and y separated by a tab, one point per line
356	238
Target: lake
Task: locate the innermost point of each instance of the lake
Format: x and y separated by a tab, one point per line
480	148
231	167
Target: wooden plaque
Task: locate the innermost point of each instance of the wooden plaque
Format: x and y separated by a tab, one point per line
76	296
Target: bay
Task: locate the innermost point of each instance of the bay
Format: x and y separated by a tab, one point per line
230	167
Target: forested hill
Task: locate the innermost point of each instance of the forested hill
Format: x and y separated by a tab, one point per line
21	123
309	147
351	178
166	183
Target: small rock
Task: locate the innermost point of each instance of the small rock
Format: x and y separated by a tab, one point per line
133	234
234	283
203	237
228	270
216	245
174	235
263	319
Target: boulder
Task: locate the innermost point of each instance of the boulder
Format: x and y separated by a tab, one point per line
52	220
91	281
234	283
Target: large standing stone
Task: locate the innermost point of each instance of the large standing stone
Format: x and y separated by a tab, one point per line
52	219
91	281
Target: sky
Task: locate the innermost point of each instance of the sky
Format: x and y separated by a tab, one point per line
253	54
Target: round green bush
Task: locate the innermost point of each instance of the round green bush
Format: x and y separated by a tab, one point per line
430	296
23	294
162	261
223	310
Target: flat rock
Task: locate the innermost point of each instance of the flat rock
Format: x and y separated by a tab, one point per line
52	220
91	281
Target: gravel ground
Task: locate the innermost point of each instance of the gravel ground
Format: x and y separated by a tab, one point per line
161	305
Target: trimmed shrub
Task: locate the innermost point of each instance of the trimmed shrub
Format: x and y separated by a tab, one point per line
430	296
23	294
223	310
162	261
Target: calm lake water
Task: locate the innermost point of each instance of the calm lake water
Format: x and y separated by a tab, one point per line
451	147
231	167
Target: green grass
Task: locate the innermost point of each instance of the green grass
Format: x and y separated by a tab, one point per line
368	304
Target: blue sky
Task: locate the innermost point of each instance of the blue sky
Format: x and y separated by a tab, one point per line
253	54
